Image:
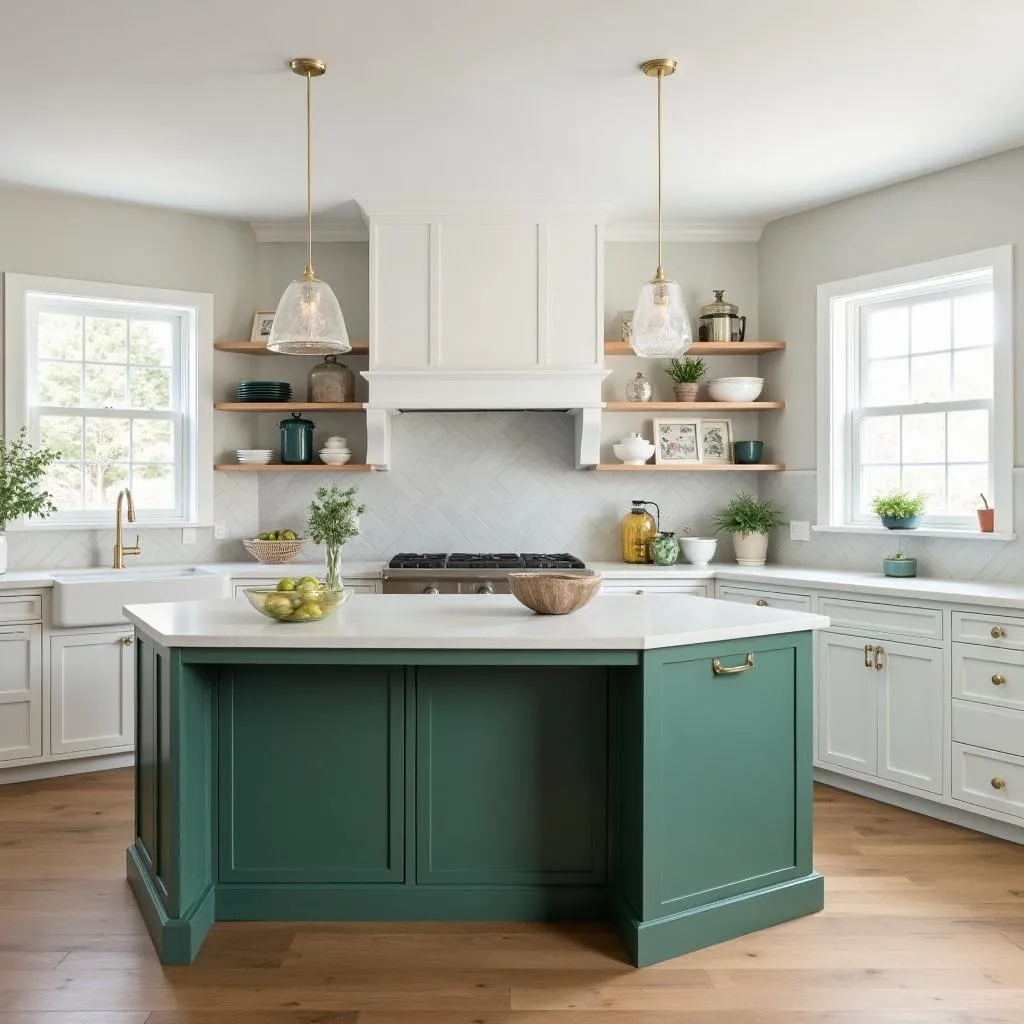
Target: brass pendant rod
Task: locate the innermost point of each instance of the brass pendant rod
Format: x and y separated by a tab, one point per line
661	273
309	275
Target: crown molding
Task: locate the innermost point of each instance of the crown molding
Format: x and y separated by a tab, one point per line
295	231
682	231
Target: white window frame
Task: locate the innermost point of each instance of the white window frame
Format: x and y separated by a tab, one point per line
839	309
194	386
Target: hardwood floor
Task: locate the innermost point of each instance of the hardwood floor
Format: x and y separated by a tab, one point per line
924	923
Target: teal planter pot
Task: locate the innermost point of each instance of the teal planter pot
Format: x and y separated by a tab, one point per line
748	453
909	523
900	567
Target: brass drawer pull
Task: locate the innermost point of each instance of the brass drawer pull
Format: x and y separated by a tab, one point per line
761	603
998	680
720	670
998	783
997	632
868	651
879	651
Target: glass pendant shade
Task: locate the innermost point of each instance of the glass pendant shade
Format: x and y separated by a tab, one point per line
308	321
661	324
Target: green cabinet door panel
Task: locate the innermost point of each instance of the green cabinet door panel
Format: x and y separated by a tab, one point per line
311	767
720	757
512	768
146	808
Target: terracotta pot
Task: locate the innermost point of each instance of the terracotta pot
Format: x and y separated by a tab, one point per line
750	548
987	520
686	392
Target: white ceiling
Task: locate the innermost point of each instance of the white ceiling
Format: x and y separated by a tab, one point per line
779	105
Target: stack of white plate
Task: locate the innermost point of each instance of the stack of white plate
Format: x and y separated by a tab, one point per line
336	451
256	456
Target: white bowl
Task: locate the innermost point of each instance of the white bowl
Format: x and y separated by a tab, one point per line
254	451
735	389
335	458
698	550
633	451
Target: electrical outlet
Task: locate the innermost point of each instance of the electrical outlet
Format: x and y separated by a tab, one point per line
188	535
799	529
220	530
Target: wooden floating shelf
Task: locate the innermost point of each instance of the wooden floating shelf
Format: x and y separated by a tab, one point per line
692	406
695	467
289	406
256	348
707	348
279	467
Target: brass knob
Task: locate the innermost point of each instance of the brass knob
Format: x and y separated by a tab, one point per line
127	640
998	783
998	680
761	603
997	632
640	592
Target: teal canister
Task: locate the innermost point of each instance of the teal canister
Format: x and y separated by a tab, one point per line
664	549
297	441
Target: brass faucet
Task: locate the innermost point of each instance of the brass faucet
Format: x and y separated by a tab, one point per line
119	549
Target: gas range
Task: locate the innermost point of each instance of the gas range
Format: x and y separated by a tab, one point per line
469	573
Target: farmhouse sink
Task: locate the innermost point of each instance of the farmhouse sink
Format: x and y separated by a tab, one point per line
95	597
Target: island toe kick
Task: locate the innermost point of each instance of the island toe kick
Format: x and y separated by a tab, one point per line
668	790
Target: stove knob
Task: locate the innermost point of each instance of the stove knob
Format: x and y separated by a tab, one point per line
485	588
431	589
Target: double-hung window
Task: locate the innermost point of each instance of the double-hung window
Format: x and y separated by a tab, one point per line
915	392
111	379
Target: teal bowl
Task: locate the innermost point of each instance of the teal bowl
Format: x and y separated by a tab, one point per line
899	567
748	453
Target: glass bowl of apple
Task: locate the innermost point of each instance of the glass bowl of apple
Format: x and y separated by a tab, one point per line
296	600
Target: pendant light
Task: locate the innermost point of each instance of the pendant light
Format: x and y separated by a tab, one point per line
308	321
661	324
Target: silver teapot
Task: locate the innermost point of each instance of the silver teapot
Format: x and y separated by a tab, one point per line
720	321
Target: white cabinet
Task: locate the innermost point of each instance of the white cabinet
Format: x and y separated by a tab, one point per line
764	598
92	691
880	709
21	681
640	587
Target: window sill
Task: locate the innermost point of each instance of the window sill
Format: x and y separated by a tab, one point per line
139	526
949	533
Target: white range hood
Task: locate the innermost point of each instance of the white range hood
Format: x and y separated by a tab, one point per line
485	311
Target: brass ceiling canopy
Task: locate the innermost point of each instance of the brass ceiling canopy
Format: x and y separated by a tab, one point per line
311	67
660	67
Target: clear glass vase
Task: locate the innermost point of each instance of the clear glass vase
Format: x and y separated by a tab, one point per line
334	580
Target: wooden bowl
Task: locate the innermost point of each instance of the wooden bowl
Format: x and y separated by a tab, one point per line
553	593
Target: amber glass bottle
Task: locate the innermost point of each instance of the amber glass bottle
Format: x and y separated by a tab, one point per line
638	527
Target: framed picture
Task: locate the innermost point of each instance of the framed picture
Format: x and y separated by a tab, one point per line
676	441
714	440
262	325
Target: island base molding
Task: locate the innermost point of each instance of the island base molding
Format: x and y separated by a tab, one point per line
648	787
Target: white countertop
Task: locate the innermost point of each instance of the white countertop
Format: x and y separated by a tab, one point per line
468	622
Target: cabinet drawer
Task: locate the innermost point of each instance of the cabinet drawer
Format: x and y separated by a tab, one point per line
988	779
990	728
644	587
994	630
882	619
988	675
766	598
21	608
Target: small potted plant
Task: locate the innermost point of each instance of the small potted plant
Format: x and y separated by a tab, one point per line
899	510
687	374
749	521
899	565
22	469
986	516
333	520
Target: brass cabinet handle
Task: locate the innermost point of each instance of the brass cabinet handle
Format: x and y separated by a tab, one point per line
998	783
998	680
761	603
997	632
720	670
127	640
868	651
640	592
879	651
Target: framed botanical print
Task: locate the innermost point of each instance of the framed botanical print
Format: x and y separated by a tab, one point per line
676	441
714	440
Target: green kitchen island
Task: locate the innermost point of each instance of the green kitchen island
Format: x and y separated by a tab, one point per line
646	760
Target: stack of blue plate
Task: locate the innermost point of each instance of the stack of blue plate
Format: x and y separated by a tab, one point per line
263	391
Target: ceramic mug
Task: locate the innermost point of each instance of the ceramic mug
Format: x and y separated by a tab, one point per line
747	453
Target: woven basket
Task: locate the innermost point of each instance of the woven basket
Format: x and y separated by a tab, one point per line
273	552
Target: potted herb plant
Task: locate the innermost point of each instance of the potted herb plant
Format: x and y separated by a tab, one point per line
687	374
22	468
333	520
749	521
899	510
899	565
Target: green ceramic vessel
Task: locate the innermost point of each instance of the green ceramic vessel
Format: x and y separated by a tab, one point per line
664	549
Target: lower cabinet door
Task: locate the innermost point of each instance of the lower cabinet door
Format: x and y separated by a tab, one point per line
910	702
21	730
847	702
92	691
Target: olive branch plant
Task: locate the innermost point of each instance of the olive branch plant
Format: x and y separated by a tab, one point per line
22	469
333	520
